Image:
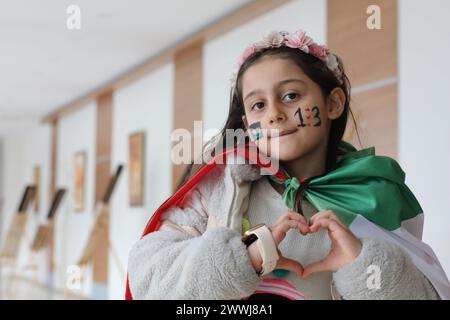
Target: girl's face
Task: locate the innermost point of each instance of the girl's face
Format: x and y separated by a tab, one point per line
277	94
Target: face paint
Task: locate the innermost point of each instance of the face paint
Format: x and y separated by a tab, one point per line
308	117
316	112
255	131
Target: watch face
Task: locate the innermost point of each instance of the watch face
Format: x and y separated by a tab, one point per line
250	239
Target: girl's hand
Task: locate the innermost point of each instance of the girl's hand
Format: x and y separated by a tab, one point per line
345	246
288	220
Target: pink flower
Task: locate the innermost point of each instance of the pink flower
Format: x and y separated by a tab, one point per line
319	51
247	53
299	40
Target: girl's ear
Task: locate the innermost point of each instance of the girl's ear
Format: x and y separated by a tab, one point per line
336	103
244	120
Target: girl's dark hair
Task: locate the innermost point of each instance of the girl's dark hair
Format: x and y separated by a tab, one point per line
318	72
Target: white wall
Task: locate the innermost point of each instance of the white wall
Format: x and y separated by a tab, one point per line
76	132
222	53
424	110
23	148
145	105
2	196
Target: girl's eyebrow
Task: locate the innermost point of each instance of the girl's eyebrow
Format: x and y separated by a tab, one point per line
279	84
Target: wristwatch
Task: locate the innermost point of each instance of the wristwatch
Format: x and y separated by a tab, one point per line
266	246
249	237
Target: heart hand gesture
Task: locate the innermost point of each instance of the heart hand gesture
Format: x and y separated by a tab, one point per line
345	246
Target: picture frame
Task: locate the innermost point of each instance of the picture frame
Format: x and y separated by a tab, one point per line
79	180
36	182
136	152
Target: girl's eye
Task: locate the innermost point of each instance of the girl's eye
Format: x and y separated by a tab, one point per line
260	104
291	96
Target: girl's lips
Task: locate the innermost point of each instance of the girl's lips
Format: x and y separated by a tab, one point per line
284	133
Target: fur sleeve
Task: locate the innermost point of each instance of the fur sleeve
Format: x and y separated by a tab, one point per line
399	277
183	260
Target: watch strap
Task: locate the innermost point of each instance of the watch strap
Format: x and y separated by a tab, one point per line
267	249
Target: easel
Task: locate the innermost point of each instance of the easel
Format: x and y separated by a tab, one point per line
100	228
44	232
11	246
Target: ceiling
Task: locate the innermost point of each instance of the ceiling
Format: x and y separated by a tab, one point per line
44	65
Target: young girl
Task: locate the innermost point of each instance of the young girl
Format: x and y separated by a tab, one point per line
331	222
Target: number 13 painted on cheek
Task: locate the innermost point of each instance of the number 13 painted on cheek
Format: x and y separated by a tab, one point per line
315	111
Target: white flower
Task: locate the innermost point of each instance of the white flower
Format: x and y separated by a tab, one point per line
273	40
332	62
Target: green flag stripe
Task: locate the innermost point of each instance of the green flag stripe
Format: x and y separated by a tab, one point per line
362	183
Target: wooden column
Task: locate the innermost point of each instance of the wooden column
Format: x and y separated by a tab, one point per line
53	157
102	174
52	190
188	94
370	59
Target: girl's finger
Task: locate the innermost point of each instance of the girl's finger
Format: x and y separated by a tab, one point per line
327	214
280	230
318	266
303	228
291	265
326	223
297	216
336	232
291	215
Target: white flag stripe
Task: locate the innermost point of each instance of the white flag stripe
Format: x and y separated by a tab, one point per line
421	254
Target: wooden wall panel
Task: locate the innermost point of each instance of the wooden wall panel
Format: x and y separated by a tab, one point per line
369	55
102	174
53	157
376	115
188	93
370	60
52	190
103	143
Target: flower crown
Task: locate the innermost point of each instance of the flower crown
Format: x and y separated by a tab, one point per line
297	40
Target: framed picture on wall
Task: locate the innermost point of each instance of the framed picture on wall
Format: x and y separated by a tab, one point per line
36	182
136	151
80	180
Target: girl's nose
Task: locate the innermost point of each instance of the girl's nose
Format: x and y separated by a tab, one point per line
276	115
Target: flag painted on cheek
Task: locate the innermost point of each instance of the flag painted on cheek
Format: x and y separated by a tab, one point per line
255	131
